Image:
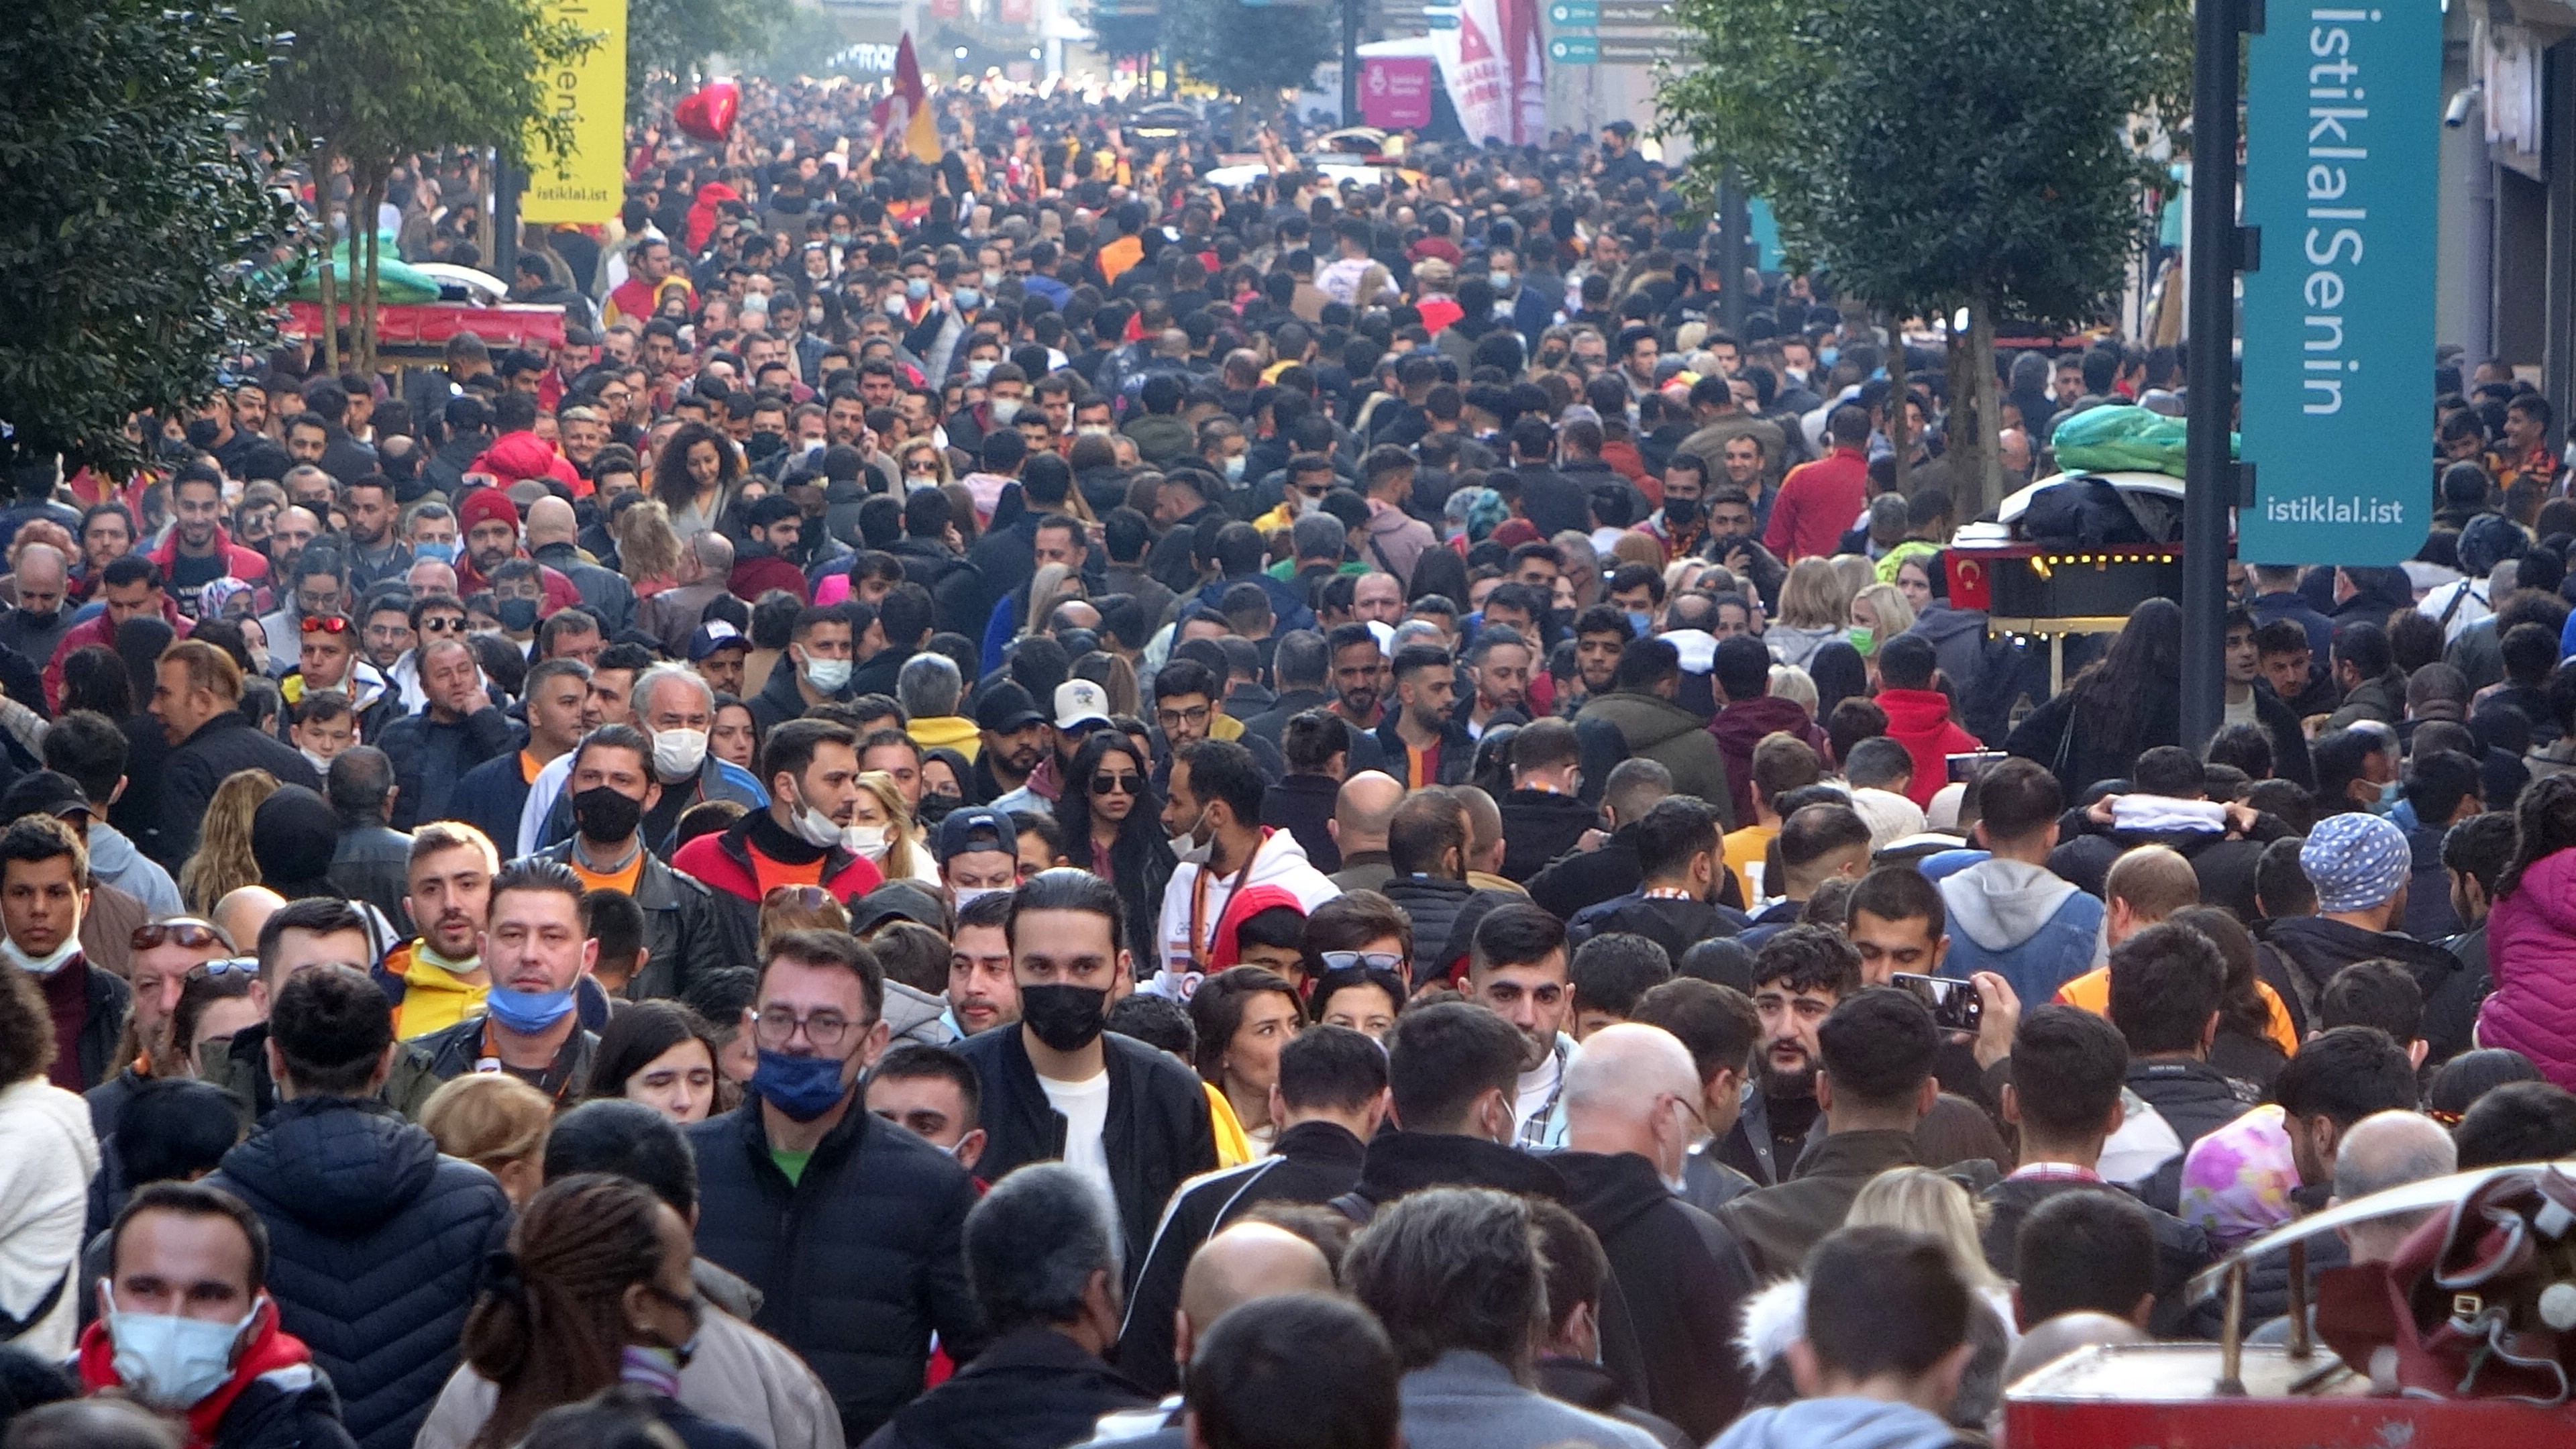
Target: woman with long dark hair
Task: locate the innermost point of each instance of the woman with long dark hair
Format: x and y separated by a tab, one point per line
695	478
2123	704
594	1292
1113	828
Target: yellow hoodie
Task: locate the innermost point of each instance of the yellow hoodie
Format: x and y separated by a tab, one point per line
434	998
949	732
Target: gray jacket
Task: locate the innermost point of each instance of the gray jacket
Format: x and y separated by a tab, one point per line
1466	1400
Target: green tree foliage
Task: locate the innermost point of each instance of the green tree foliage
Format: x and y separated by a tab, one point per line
1253	51
1937	154
669	38
132	214
370	82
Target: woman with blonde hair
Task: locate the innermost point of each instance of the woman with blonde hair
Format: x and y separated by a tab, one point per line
648	549
1815	606
1051	585
883	831
1856	572
1796	685
924	464
1920	1200
1881	613
498	1123
223	862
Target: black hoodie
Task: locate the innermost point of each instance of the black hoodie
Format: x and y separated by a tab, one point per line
2312	949
1677	1281
1539	826
1400	1162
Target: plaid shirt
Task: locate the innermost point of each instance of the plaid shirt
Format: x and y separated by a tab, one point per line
1544	1129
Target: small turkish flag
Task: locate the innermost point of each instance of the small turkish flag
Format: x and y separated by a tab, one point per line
707	113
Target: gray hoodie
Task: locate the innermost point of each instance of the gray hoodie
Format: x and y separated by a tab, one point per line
1838	1424
917	1016
2001	903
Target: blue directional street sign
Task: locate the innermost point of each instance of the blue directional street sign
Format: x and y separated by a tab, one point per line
1574	12
1574	50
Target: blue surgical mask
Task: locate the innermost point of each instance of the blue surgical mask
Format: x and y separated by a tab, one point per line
1641	624
1234	469
1503	285
1826	356
528	1013
516	615
967	298
802	1087
2389	794
828	676
979	369
917	288
444	551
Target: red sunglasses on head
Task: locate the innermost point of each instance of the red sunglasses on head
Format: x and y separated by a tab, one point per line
325	624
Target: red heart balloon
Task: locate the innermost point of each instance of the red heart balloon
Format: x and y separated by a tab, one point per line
707	113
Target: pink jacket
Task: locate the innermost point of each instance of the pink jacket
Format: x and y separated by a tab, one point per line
2531	956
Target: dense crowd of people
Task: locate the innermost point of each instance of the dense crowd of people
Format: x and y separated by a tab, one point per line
1023	802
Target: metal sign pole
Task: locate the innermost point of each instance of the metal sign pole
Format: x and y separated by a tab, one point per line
2217	251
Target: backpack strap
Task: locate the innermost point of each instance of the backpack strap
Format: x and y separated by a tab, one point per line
12	1327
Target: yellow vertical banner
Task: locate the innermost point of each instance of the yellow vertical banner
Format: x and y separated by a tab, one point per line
587	183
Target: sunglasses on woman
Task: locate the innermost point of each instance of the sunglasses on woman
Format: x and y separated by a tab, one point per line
1115	784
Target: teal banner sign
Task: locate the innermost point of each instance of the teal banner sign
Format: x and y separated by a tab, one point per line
2342	124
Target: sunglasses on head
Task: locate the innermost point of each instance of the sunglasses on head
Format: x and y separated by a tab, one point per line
800	897
1374	960
193	935
227	966
325	624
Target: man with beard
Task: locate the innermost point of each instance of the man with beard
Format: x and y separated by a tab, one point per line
1359	675
1517	969
1600	632
1872	1080
165	952
1014	735
1798	977
437	978
491	524
39	621
1130	1119
1732	518
198	550
1498	664
375	552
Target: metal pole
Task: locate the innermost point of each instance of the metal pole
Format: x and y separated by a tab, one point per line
505	220
1350	62
2211	489
1732	249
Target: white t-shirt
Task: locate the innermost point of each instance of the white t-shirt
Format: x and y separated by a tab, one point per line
1085	1106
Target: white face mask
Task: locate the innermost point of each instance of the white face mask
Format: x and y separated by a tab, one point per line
677	754
171	1362
980	369
867	840
41	965
321	763
828	676
814	827
1005	409
970	895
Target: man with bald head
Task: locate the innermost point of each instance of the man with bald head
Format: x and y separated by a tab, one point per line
1330	1098
1361	814
431	576
552	531
39	621
1632	1113
1246	1261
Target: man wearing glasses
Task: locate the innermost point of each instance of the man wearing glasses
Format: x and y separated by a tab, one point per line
165	951
848	1226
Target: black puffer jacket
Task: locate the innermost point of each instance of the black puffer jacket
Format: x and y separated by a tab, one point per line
1433	904
858	1260
683	940
1677	1283
376	1249
292	1408
1035	1389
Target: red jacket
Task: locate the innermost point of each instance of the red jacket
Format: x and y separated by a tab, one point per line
520	455
96	630
753	577
1919	719
724	863
247	564
1818	503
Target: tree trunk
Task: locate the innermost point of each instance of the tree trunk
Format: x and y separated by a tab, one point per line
1988	489
1965	456
322	207
372	195
1899	436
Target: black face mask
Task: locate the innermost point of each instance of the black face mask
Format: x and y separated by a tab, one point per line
605	814
45	620
202	432
1066	1018
1680	510
935	806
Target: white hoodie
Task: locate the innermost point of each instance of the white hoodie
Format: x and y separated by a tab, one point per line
49	1157
1279	861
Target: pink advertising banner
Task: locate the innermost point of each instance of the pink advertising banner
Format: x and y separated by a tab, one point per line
1395	92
